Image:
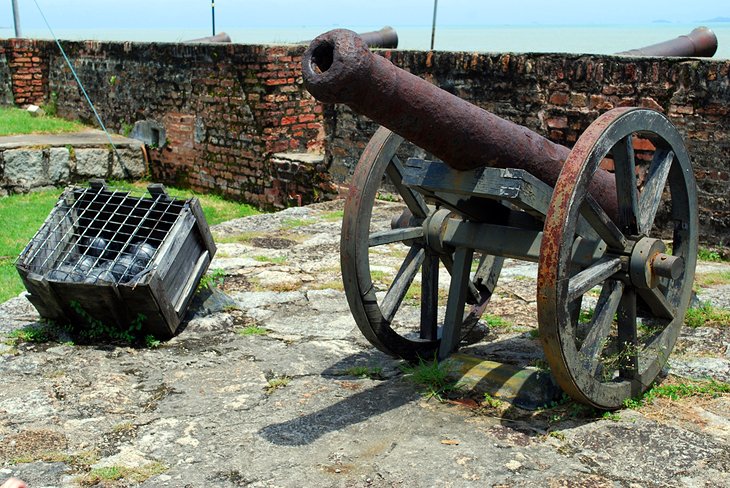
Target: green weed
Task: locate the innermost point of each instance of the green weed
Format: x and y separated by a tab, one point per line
675	391
333	216
271	259
294	223
371	372
497	322
714	278
115	473
252	330
214	278
704	254
32	333
277	383
707	316
432	377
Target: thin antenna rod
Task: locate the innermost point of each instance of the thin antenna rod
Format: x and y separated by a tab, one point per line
433	26
16	19
212	11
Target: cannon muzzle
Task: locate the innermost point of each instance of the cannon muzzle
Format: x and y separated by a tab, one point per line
701	42
338	68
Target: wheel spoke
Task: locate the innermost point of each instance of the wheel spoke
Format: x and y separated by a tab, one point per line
455	305
394	235
429	297
651	195
590	277
602	223
414	201
658	303
627	337
623	156
473	296
600	325
402	282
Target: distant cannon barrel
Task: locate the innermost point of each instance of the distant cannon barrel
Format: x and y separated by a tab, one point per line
220	37
701	42
338	68
386	38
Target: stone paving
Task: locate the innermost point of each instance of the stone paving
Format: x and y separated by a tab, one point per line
258	389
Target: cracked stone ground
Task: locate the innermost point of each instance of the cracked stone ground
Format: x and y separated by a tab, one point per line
257	389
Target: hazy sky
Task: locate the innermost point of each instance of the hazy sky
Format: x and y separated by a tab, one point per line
232	14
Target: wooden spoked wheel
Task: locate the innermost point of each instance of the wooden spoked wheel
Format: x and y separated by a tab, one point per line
615	348
375	303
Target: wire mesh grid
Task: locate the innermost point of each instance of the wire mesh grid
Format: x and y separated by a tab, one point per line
101	236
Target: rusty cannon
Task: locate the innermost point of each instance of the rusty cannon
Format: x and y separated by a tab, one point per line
610	298
701	43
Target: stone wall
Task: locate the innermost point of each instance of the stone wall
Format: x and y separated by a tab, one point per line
220	112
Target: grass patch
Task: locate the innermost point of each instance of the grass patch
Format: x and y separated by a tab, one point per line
18	121
370	372
707	316
214	278
704	254
271	259
114	473
31	333
676	391
432	378
21	217
252	330
705	280
413	295
295	223
277	383
242	238
328	285
333	216
496	322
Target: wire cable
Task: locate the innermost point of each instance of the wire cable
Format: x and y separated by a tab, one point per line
83	90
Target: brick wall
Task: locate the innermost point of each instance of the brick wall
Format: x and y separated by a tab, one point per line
26	68
227	109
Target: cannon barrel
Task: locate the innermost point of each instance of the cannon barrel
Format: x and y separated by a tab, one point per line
220	37
338	68
386	37
701	42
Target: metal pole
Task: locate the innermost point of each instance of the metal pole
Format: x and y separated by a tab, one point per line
212	11
433	26
16	19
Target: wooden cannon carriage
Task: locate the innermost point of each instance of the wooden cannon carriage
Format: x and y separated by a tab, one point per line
494	190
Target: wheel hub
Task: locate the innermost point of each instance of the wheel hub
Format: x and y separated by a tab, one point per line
649	262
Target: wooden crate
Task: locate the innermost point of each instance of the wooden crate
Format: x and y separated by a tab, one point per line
108	255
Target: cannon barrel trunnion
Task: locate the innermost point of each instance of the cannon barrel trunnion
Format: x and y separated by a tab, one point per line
610	296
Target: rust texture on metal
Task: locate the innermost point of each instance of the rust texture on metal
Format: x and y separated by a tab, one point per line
338	68
701	43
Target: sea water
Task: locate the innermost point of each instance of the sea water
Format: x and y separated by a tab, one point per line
593	39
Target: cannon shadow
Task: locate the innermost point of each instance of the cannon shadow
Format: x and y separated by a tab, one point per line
523	389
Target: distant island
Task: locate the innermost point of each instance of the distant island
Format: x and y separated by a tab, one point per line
718	19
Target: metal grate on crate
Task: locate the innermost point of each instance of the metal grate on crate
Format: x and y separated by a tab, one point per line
102	236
